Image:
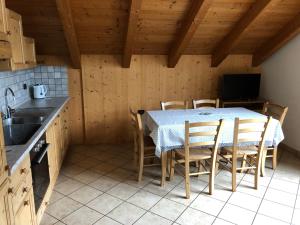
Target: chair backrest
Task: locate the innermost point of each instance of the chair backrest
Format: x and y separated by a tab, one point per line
206	103
174	105
276	111
248	131
208	130
138	131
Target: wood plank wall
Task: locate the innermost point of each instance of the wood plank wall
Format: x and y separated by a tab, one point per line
75	93
109	90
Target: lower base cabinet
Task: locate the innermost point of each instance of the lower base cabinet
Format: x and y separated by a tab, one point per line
26	213
5	206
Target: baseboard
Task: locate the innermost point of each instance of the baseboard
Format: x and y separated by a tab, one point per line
285	147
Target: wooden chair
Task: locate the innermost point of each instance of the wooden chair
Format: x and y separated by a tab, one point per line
195	151
144	148
278	112
206	103
245	131
174	105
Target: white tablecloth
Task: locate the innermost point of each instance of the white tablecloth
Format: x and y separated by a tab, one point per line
167	127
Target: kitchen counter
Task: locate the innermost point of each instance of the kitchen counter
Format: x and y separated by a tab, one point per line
16	153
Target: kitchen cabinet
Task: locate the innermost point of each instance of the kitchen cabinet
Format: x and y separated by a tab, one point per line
26	213
15	37
3	17
21	197
5	47
29	51
5	207
52	153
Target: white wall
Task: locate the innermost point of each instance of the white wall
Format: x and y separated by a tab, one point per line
281	84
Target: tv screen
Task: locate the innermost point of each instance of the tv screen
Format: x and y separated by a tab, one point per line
240	86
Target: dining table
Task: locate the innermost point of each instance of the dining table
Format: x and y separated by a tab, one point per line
167	128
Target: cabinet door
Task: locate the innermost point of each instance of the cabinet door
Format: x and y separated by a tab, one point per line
5	209
3	163
29	50
52	153
58	139
26	212
3	18
15	36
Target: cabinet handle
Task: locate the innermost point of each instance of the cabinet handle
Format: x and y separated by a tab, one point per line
26	202
46	203
10	190
6	168
8	32
25	189
23	170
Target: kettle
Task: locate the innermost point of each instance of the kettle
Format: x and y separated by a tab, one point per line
39	91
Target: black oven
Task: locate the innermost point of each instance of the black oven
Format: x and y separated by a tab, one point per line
40	171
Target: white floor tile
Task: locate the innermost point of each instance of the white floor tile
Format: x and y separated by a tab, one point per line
168	209
208	205
262	219
83	216
237	215
280	197
296	217
151	219
144	199
104	203
195	217
285	186
276	211
107	221
178	195
245	201
85	194
126	213
123	191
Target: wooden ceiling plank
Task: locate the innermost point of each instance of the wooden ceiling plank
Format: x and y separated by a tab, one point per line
222	50
134	11
195	16
288	32
64	11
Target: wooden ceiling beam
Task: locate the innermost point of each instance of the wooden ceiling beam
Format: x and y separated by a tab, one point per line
195	16
288	32
64	11
222	50
134	11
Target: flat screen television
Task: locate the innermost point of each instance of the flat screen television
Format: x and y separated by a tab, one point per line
240	86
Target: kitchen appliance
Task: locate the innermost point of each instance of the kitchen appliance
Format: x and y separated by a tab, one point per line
39	91
40	170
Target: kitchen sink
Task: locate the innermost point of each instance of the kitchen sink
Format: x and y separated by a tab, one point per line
19	134
33	112
24	120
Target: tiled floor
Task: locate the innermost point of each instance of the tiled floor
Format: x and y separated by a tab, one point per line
97	185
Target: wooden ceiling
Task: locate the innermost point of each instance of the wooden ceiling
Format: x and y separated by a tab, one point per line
170	27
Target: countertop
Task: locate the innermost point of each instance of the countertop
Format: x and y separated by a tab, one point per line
16	153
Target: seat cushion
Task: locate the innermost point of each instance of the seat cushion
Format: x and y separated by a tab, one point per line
195	154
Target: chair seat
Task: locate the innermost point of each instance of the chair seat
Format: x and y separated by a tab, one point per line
247	150
195	154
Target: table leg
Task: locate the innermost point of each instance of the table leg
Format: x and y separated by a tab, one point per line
163	168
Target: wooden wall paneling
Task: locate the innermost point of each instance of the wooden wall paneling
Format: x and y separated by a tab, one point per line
288	32
64	11
76	106
222	50
109	90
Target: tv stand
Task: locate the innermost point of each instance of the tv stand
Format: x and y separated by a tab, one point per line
254	104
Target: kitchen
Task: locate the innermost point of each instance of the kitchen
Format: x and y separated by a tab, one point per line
86	134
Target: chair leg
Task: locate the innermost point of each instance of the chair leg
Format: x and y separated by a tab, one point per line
263	162
172	165
243	164
141	165
274	163
187	179
212	179
234	166
258	165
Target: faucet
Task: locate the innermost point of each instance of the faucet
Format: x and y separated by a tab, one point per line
8	109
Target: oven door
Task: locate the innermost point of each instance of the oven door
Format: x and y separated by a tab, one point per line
40	174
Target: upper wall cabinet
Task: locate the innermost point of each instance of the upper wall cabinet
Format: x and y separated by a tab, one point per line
16	51
5	48
15	36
